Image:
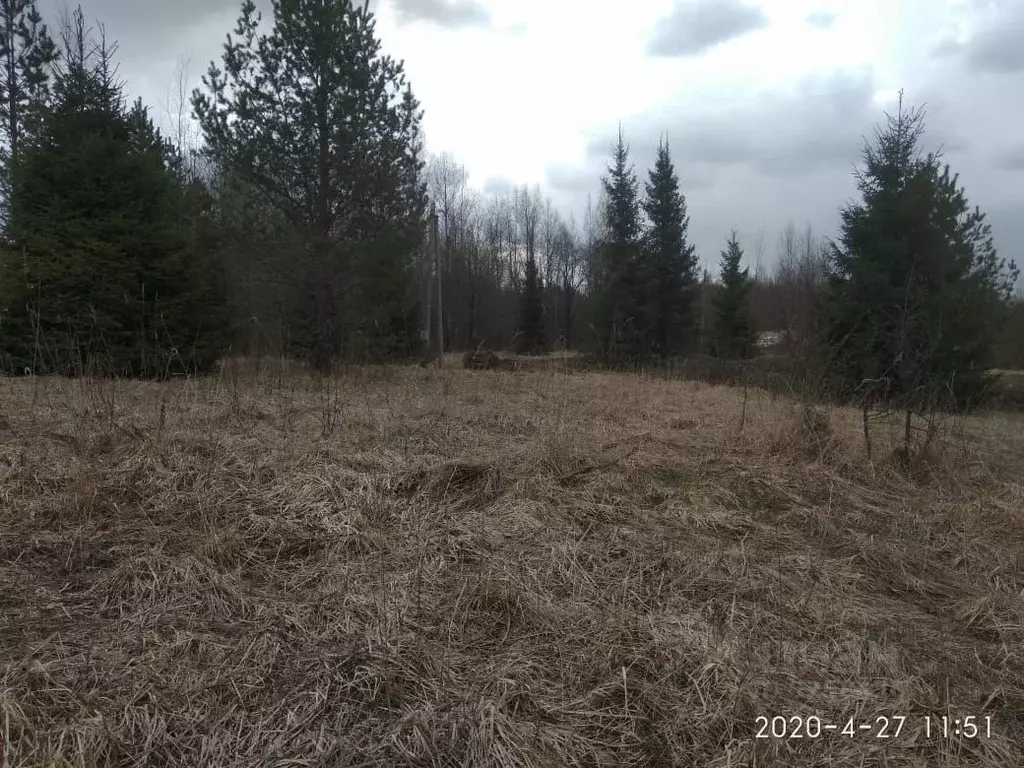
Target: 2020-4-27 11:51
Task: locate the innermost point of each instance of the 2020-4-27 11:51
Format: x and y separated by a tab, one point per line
968	726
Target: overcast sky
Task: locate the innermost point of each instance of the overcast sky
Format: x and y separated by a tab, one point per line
765	103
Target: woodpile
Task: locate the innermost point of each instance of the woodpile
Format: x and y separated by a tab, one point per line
482	360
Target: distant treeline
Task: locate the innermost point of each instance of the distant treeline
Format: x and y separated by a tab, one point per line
306	220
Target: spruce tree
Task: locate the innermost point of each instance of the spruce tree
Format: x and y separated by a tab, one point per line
324	126
918	291
671	261
27	56
105	277
622	311
733	332
531	338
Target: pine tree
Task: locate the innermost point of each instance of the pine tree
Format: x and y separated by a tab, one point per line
622	311
27	55
734	333
671	261
324	126
918	291
105	277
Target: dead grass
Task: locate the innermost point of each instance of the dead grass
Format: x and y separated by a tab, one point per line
446	567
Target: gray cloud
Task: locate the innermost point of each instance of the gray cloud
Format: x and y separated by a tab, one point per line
454	14
946	48
943	118
821	19
998	50
822	123
155	19
696	26
153	36
995	44
497	185
1008	234
758	163
1011	158
572	179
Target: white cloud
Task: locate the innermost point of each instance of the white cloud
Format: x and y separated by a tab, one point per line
454	14
821	19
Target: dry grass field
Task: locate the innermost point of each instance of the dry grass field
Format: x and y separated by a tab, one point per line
410	567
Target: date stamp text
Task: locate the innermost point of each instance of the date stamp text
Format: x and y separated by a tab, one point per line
882	727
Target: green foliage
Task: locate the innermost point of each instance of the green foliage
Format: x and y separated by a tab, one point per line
918	294
670	260
324	129
733	330
106	269
622	306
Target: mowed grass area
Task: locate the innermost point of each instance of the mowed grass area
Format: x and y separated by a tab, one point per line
409	567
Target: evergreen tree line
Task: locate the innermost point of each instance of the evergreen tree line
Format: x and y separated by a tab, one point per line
309	222
303	211
106	249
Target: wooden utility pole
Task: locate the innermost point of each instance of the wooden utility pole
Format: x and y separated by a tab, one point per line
426	275
437	269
